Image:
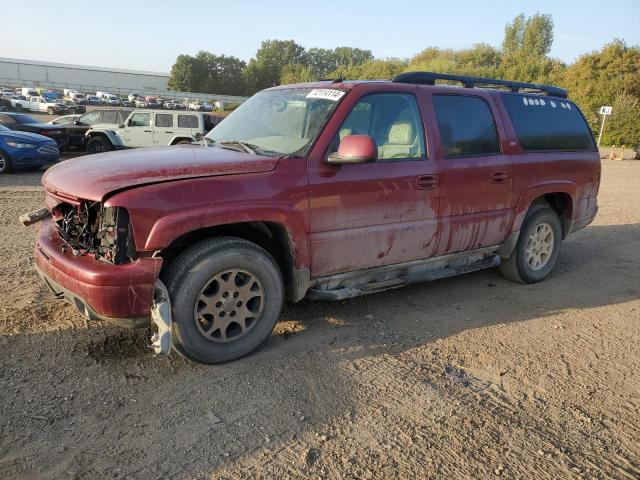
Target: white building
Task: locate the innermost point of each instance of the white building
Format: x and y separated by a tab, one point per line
29	73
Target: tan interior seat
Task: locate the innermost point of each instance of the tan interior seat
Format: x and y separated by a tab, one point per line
401	139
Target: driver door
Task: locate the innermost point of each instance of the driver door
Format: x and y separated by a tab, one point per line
380	213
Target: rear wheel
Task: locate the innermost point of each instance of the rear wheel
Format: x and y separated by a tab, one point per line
226	296
5	163
19	107
50	111
184	142
537	249
98	145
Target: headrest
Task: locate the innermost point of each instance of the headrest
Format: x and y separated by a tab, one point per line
402	134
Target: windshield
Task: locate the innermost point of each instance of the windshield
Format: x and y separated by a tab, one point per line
282	122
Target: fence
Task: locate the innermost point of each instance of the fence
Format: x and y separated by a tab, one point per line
85	88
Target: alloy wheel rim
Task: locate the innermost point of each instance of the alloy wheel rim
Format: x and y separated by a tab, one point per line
229	305
540	246
3	162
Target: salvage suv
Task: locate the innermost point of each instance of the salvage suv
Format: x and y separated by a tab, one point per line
325	190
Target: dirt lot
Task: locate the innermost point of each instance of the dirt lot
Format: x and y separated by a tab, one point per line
470	377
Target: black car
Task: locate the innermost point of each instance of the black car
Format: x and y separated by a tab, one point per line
77	129
75	107
25	123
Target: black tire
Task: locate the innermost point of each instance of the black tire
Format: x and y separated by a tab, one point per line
50	111
98	145
517	267
19	107
183	142
5	163
194	271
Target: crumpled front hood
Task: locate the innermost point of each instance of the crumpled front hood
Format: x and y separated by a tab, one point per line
92	177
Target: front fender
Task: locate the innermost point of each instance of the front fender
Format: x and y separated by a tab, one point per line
170	227
111	136
539	189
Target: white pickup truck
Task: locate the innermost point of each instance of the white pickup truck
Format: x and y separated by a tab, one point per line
38	104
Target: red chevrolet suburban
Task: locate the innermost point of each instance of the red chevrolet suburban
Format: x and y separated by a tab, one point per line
325	190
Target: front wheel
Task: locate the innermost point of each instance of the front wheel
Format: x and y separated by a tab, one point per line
226	296
5	163
537	249
19	107
98	145
50	111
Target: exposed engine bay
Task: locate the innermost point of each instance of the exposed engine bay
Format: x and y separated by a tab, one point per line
89	228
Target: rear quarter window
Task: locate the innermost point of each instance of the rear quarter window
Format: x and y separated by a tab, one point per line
187	121
548	123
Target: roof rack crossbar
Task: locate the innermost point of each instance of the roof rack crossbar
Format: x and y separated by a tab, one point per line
429	78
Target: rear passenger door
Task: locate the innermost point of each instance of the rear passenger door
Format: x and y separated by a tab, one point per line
163	129
476	178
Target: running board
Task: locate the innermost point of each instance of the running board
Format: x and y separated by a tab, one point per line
425	276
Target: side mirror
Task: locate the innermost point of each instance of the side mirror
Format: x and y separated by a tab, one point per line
354	149
121	125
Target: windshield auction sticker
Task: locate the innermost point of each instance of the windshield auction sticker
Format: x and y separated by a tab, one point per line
326	94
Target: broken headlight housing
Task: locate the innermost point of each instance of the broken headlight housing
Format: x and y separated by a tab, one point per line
92	229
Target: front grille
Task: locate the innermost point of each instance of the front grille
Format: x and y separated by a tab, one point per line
48	149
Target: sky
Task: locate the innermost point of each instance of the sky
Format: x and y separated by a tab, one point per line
149	35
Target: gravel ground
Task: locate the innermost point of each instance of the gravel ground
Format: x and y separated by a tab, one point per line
468	377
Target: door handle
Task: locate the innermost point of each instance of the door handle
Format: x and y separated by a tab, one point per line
427	182
169	131
147	131
499	177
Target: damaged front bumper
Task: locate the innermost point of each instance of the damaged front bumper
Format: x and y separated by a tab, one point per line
121	294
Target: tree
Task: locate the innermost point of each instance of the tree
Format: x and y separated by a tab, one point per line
270	60
533	35
296	73
623	126
526	44
321	61
597	78
187	75
223	74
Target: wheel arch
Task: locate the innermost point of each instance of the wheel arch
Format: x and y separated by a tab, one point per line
281	233
560	197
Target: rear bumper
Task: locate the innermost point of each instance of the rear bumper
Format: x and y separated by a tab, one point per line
120	294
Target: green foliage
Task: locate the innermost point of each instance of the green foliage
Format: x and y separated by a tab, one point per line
609	76
296	73
599	77
623	125
208	73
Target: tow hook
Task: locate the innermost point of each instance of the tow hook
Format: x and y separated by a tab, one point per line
161	318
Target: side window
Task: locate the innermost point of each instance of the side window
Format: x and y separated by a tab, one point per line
110	116
392	120
140	120
90	118
187	121
466	126
164	120
548	123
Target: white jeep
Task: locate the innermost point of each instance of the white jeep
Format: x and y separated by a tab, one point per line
149	128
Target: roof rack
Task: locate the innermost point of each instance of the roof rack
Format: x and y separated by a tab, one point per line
429	78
